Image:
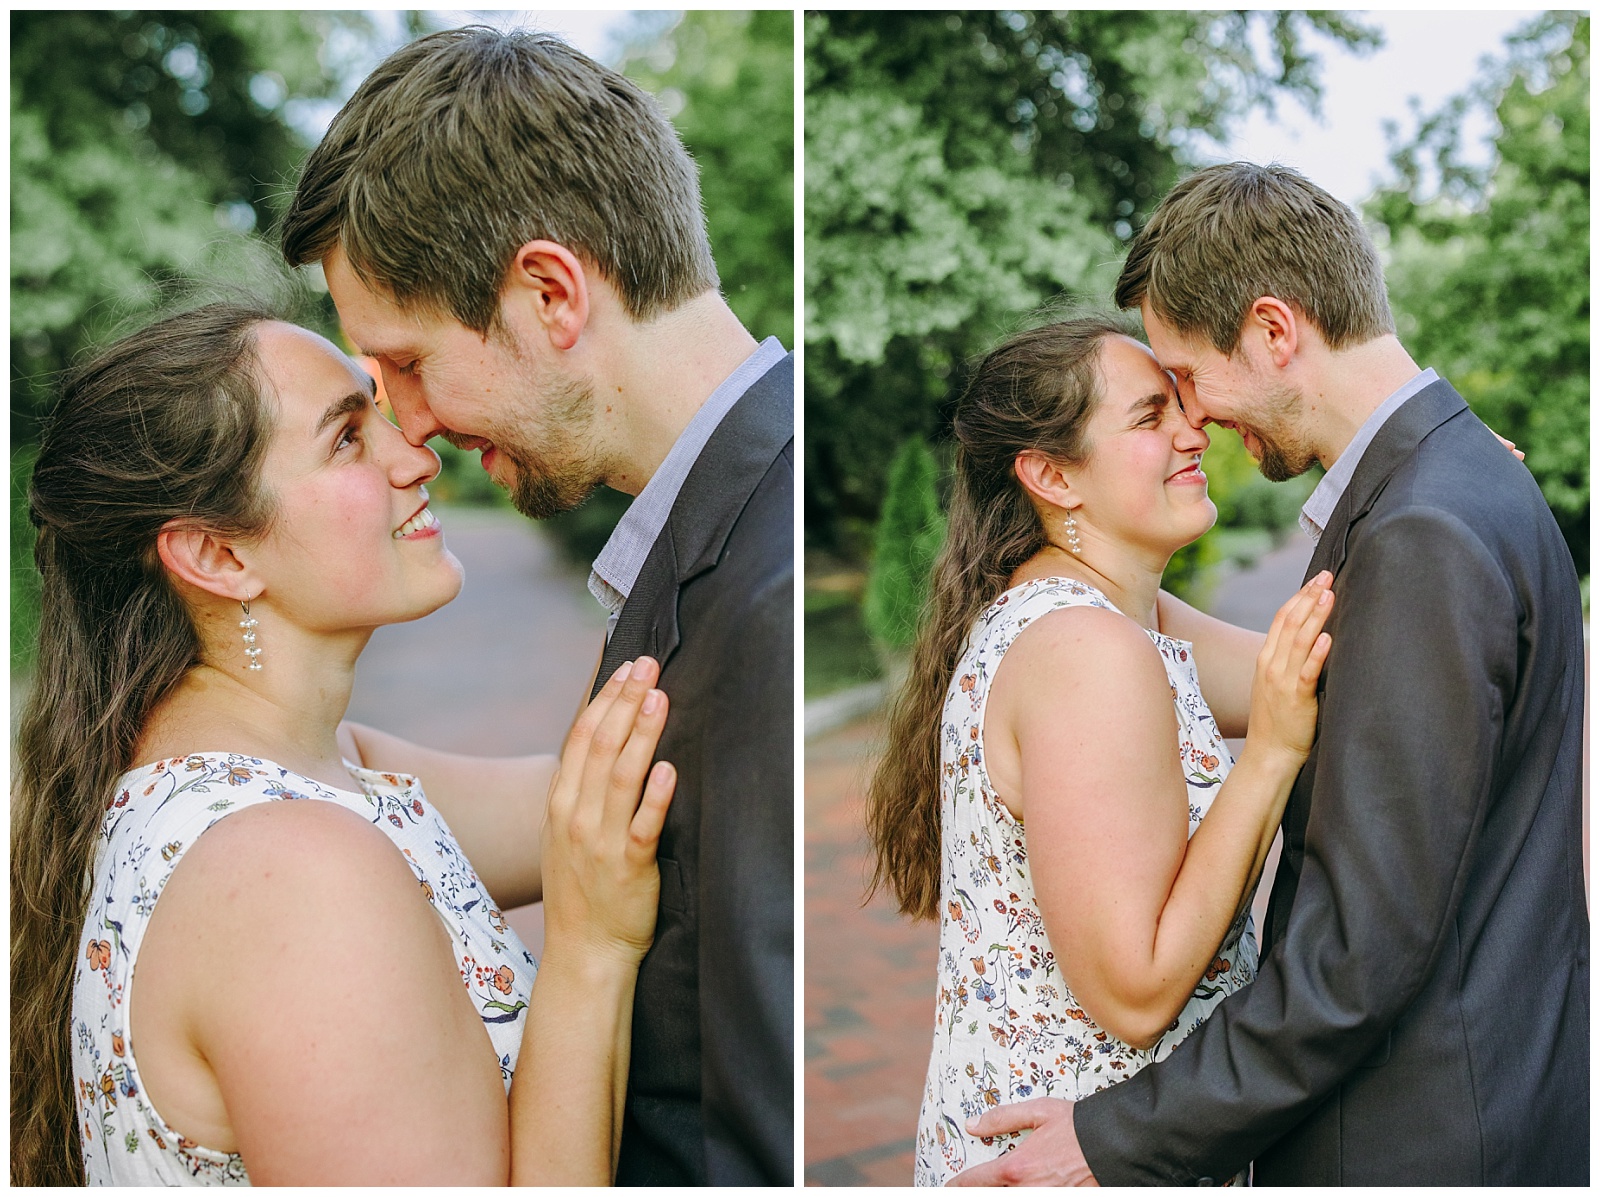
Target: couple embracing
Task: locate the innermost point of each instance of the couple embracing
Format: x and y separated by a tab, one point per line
327	989
1058	794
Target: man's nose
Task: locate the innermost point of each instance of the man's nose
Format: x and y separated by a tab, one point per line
1194	411
411	410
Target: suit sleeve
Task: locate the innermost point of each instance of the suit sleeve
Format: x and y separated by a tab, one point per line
746	894
1422	671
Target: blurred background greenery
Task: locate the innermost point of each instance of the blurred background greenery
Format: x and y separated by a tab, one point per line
966	171
152	153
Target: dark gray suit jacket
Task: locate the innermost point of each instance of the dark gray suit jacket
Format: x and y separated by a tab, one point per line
710	1087
1422	1010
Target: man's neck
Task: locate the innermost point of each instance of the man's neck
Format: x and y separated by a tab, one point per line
660	376
1348	386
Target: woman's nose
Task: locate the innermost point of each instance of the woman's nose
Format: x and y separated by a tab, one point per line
1188	438
412	463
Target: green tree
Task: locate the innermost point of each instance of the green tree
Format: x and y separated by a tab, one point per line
151	161
727	81
1489	269
910	532
964	168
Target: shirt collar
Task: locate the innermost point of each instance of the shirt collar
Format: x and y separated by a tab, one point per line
617	567
1318	510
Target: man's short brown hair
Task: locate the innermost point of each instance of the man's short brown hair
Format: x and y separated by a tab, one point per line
465	145
1227	235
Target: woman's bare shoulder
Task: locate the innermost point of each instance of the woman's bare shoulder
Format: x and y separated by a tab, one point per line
295	855
1086	644
1085	668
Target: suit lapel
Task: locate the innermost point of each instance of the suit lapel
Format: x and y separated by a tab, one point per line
1395	441
718	486
655	636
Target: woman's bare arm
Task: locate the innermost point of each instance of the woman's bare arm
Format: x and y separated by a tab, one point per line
1082	741
602	888
1224	657
494	805
313	979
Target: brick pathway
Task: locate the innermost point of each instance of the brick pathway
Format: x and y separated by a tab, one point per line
869	984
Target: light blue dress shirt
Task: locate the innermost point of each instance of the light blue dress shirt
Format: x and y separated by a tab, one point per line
617	567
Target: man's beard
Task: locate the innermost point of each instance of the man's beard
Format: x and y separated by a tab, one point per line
1284	455
553	467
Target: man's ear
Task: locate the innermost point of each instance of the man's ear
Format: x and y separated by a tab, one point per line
1044	480
204	561
548	281
1276	328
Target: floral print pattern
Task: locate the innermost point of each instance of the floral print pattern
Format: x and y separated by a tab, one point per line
154	814
1007	1028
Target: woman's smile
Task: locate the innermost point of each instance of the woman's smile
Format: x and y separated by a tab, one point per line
1190	475
421	525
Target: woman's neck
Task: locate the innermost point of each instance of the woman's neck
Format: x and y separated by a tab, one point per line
1129	582
288	711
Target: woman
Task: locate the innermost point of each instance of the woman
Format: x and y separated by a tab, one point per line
327	991
1053	686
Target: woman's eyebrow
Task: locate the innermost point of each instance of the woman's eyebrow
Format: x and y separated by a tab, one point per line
353	402
1156	401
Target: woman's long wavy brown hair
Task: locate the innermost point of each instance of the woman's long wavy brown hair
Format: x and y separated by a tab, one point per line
168	423
1034	392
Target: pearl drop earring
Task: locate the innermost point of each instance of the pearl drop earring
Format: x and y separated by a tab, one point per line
1072	534
249	625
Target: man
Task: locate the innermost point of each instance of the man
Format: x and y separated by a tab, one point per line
515	234
1422	1010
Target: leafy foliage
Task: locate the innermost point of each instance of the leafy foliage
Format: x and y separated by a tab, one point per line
150	162
1489	271
964	168
910	532
25	581
727	81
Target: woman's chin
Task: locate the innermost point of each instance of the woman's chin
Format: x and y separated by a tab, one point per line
446	586
1192	529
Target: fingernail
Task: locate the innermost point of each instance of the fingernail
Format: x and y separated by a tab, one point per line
972	1126
652	700
641	669
661	773
622	671
1325	598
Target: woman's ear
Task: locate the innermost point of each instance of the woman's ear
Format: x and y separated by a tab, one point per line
548	282
204	561
1044	480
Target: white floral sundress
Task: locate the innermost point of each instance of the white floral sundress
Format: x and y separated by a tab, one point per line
155	813
1007	1028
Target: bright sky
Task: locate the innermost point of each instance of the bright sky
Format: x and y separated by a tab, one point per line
595	32
1430	55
